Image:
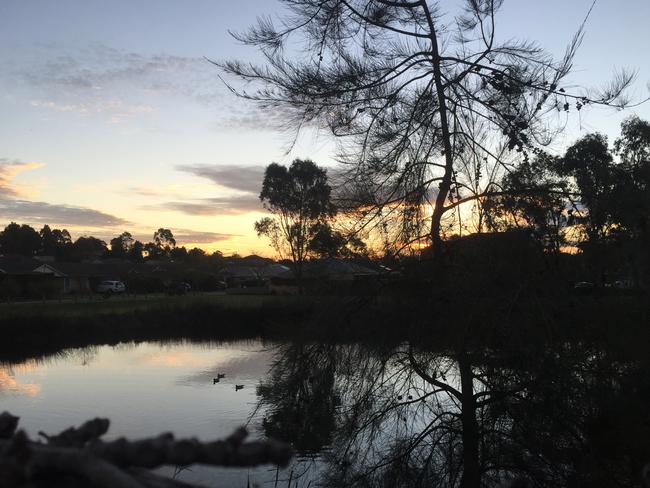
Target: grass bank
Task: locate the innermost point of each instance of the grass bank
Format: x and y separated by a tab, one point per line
449	321
42	328
128	305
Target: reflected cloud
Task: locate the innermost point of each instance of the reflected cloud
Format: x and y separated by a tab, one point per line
11	386
244	364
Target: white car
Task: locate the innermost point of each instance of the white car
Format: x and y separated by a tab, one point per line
109	287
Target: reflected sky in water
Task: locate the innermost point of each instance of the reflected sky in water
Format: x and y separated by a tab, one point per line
144	389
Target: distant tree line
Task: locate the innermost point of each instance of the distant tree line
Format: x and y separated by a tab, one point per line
24	240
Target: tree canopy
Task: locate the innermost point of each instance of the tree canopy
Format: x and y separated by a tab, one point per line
299	197
429	106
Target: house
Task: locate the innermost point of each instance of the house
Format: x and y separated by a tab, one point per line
25	277
84	277
330	276
241	279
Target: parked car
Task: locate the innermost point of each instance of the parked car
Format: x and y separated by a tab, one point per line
584	288
110	287
584	285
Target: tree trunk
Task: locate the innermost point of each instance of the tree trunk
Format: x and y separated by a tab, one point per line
471	467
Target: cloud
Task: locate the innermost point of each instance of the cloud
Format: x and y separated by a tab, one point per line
235	205
118	110
200	237
47	213
8	170
246	115
99	72
98	66
99	79
243	178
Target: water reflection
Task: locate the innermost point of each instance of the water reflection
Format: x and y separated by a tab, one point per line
9	385
570	415
145	389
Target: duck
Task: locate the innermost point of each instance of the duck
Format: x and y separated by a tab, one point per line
220	375
215	381
238	387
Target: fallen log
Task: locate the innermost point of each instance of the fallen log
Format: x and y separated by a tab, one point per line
78	457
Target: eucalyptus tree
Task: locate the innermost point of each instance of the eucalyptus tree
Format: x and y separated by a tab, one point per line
121	245
164	238
415	96
299	198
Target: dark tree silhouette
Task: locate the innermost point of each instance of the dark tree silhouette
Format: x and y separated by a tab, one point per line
413	93
86	248
589	163
55	242
135	253
330	243
298	197
164	238
631	205
534	197
19	239
122	245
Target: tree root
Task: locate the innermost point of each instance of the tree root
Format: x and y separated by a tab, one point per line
77	457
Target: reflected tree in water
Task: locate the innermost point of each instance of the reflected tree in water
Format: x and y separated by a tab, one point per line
301	397
569	415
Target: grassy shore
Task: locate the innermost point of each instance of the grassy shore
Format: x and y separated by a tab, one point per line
39	328
447	321
128	305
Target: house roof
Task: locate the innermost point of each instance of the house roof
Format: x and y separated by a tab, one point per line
252	261
274	269
237	271
332	267
85	270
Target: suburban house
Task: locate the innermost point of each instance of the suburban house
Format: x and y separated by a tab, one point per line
330	276
22	276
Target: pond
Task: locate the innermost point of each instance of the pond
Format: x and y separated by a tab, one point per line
146	389
358	415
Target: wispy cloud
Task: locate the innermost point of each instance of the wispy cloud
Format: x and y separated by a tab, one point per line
104	81
244	178
14	206
48	213
98	67
200	237
185	236
235	205
112	82
9	168
117	110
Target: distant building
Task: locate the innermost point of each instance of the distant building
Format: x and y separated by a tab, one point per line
24	277
331	276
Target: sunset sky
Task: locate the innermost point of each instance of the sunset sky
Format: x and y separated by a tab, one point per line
112	119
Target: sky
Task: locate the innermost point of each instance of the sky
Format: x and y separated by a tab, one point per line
112	118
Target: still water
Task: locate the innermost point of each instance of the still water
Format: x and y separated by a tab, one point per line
146	389
566	414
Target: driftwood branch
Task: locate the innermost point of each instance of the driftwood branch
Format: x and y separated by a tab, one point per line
79	455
